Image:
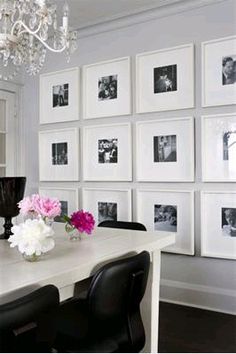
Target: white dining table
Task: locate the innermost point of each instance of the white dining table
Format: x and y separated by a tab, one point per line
71	262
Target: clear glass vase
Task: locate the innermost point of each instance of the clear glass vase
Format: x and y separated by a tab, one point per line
73	233
48	221
32	258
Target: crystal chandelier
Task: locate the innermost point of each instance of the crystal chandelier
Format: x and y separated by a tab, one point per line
27	29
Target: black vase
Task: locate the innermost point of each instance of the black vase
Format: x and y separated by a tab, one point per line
11	192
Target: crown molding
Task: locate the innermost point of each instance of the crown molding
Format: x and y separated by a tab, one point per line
165	8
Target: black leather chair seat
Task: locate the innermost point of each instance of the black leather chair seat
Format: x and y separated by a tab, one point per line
72	326
108	320
27	325
73	332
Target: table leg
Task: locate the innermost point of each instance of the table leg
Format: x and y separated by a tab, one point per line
150	304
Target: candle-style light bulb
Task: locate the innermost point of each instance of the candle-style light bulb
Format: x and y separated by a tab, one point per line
65	16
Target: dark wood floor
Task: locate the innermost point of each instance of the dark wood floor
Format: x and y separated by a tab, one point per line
190	330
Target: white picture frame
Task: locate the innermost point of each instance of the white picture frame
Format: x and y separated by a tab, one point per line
219	148
59	96
218	237
108	204
107	152
217	90
165	150
107	88
165	79
59	155
175	210
69	198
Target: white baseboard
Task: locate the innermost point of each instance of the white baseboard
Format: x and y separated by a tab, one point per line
200	296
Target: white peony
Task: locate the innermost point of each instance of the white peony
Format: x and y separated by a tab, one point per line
32	237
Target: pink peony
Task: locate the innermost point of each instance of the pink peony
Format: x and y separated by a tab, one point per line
40	206
26	206
47	207
83	221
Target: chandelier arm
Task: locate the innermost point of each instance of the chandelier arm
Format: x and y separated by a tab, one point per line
19	22
48	46
27	29
34	33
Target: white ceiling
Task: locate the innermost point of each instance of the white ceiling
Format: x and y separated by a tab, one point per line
84	13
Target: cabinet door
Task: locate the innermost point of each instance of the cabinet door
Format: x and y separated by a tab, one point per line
7	136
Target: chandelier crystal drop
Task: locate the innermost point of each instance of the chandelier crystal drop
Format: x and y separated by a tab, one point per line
28	28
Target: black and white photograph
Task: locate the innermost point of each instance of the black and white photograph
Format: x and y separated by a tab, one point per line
229	145
108	151
219	72
229	70
107	211
165	79
219	148
218	224
59	154
165	218
60	95
64	211
170	211
107	87
229	222
164	147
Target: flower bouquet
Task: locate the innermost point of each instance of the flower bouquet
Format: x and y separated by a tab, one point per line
33	238
37	206
79	222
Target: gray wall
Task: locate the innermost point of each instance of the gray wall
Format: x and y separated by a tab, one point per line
204	282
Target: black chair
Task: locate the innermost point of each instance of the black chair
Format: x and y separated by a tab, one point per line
123	225
27	324
109	319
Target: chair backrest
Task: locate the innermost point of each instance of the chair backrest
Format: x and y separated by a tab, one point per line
114	300
123	225
27	324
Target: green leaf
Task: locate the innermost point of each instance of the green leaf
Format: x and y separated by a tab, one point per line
66	218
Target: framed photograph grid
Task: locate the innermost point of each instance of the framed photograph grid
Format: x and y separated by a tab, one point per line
164	147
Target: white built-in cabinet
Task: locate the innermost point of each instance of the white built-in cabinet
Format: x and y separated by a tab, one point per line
7	134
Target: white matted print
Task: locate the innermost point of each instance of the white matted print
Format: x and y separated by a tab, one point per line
108	204
68	197
219	72
165	150
107	89
107	154
59	96
170	211
58	155
219	148
218	224
165	79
